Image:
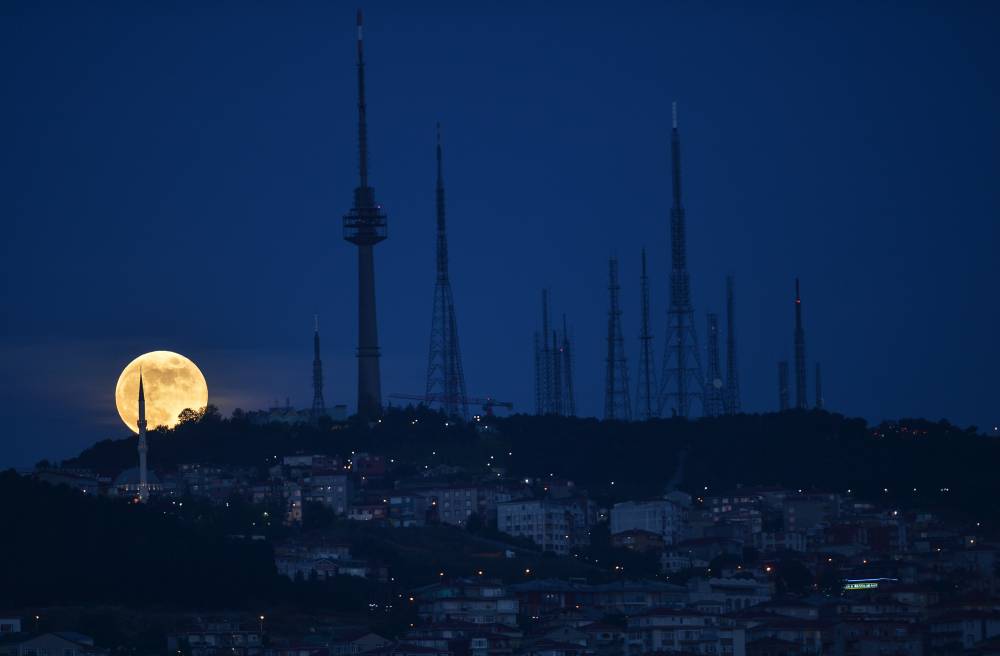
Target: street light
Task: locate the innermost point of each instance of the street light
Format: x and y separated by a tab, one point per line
261	618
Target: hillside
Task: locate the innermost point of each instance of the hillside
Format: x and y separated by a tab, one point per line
949	467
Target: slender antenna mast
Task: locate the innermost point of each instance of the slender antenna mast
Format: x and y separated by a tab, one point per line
539	394
569	398
616	394
546	357
362	108
732	371
800	354
318	405
714	394
646	391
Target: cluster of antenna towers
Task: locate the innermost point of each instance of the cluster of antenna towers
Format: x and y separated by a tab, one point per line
553	367
680	382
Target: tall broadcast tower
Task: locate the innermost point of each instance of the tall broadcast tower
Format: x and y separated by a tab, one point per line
682	379
365	226
445	377
800	354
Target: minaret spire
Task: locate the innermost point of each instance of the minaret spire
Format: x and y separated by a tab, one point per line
365	226
318	405
143	448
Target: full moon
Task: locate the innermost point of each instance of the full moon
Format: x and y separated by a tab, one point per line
171	383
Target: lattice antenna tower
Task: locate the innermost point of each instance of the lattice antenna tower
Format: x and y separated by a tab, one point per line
682	380
616	393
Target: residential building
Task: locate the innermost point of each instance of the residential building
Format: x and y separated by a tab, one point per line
476	601
661	516
559	526
687	631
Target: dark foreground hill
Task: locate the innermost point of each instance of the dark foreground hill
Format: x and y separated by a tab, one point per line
61	547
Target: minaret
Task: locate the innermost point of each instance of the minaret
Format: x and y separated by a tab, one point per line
445	376
143	447
682	379
318	406
732	371
365	226
800	354
646	390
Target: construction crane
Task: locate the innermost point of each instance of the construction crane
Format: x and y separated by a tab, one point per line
488	403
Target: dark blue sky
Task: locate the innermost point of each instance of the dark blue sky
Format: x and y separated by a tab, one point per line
174	178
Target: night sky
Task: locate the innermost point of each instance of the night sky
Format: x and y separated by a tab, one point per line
174	177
